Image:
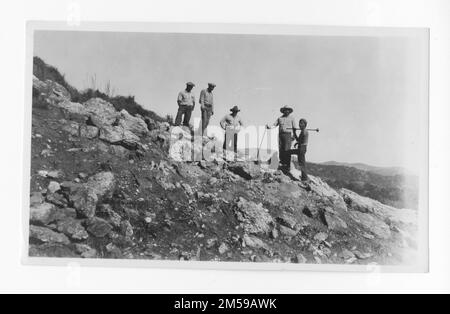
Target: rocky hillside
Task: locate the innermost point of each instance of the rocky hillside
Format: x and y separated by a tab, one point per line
391	188
108	184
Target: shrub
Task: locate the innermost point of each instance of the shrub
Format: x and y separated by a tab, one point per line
45	72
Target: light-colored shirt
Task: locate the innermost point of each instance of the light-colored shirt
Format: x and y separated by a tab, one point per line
206	98
286	124
230	122
186	98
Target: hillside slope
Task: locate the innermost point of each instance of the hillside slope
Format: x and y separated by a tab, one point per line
107	184
398	190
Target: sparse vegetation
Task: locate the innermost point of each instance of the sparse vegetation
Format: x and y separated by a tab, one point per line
45	72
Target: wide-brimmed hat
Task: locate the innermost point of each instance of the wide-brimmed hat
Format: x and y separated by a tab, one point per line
286	108
212	84
235	109
190	84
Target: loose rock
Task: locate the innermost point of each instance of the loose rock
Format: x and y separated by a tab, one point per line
46	235
254	217
42	213
223	248
73	229
98	227
86	251
321	237
254	242
53	187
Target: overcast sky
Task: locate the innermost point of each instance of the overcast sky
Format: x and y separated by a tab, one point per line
362	92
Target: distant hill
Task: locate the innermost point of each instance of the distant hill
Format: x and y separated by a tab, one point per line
391	186
384	171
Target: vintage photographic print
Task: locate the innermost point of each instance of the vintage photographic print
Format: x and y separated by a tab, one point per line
292	147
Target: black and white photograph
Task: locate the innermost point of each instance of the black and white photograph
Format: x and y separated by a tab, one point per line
285	148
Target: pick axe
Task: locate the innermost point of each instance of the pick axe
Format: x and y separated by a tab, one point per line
313	130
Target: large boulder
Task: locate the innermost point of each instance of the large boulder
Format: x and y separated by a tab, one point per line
359	203
133	124
85	197
111	134
102	184
117	135
372	224
53	91
73	111
181	150
98	227
101	112
323	190
73	229
89	131
334	222
254	218
84	201
246	170
254	242
65	213
43	213
46	235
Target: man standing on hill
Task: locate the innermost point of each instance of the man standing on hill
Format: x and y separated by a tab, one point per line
232	124
286	124
207	105
186	104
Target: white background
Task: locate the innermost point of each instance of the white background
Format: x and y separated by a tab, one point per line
408	13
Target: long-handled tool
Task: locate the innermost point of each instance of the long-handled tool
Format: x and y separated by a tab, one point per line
314	130
259	147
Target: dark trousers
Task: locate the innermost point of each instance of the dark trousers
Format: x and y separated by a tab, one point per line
206	116
230	141
187	112
284	148
301	156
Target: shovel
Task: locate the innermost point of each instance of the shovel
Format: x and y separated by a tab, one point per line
259	147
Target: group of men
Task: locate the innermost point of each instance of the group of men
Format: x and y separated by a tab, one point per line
232	124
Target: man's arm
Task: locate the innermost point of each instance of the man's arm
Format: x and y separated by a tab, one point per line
277	122
241	124
294	128
223	123
193	102
201	101
180	99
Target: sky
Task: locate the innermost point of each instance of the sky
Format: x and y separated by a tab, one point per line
362	92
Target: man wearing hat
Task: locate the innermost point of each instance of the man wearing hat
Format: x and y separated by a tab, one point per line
207	105
232	124
186	104
287	128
